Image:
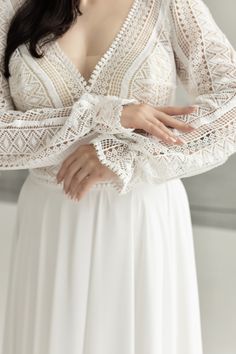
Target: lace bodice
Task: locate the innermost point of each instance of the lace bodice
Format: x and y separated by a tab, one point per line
47	108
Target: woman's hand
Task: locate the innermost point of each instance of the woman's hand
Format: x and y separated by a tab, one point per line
156	120
81	170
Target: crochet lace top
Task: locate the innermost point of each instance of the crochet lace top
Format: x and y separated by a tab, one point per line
47	108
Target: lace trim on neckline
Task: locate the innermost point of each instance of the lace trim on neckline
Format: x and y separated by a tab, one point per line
88	84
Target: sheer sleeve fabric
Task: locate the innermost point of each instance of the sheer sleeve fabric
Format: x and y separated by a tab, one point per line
206	65
40	137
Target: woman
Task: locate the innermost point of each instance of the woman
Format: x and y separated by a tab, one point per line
102	258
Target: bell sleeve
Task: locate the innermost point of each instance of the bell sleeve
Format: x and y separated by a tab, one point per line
206	65
42	136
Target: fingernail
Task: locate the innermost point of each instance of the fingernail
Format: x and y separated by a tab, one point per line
181	141
190	127
173	139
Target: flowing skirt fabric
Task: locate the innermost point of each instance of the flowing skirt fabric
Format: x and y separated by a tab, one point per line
109	274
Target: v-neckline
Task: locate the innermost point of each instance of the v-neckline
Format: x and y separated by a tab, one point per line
88	84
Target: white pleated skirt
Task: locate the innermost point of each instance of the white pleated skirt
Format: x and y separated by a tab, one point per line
109	274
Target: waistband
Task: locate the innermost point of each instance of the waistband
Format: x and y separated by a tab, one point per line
51	183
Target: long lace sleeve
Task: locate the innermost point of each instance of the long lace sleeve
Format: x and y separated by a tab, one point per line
206	64
41	137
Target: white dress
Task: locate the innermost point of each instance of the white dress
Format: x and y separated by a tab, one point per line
115	272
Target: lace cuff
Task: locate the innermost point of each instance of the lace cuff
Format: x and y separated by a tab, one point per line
40	137
117	155
107	113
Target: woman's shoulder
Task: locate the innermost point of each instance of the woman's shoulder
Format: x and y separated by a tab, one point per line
7	11
10	6
12	3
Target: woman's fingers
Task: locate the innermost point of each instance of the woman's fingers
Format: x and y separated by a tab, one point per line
84	187
64	167
176	110
170	134
82	169
74	167
157	122
79	177
138	116
160	131
173	122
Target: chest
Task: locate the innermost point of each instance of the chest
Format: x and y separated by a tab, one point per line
93	32
134	61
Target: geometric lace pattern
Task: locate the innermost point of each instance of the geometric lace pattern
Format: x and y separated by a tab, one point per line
47	108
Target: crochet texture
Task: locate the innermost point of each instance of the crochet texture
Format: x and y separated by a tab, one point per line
47	108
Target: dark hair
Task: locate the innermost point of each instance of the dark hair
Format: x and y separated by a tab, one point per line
35	20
